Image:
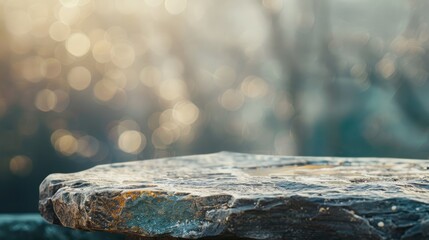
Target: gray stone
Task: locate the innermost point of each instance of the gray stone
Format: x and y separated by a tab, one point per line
34	227
248	196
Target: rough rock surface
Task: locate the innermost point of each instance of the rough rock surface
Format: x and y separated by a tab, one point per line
247	196
33	227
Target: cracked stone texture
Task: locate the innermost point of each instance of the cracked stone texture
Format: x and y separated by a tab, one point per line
229	195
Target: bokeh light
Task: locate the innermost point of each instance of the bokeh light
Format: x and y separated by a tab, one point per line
175	6
88	146
185	112
254	87
78	44
46	100
87	82
59	31
131	141
101	51
20	165
79	78
105	90
172	89
122	55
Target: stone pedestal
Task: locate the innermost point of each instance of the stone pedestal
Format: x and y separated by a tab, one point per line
230	195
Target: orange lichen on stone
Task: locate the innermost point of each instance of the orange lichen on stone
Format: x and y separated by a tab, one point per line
122	199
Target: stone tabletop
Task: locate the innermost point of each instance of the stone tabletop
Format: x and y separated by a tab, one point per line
232	195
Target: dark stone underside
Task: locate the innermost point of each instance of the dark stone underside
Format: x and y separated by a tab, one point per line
229	195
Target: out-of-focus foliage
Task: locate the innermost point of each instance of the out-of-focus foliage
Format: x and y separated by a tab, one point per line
85	82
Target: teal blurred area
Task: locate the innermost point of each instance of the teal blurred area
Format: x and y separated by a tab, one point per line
31	226
87	82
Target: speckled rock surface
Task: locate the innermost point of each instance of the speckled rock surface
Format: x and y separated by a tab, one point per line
249	196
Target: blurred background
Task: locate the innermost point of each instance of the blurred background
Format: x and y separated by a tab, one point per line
86	82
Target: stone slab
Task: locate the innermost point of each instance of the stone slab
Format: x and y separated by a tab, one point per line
248	196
